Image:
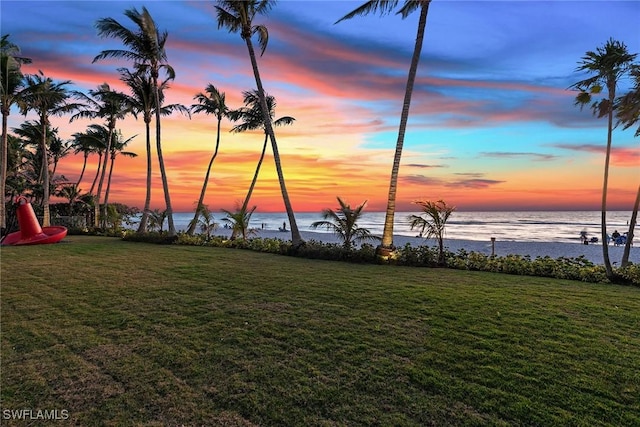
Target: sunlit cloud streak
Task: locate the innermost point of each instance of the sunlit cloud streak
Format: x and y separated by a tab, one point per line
490	97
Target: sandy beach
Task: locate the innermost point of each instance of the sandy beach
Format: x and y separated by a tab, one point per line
592	252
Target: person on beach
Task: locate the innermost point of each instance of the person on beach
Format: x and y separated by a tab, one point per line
284	226
583	237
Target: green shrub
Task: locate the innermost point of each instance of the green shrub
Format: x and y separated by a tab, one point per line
421	256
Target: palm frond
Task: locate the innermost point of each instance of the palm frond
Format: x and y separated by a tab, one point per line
382	6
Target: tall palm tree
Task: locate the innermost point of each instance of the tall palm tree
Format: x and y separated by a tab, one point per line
11	85
237	16
251	118
46	97
385	7
146	46
117	148
141	100
606	66
629	115
343	222
211	102
99	134
110	105
433	225
30	134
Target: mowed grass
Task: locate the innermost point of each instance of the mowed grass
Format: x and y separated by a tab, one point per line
121	333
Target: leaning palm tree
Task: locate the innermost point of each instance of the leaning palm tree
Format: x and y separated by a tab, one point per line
408	7
142	102
11	85
111	105
606	66
211	102
433	225
237	16
146	46
46	98
629	115
343	222
251	118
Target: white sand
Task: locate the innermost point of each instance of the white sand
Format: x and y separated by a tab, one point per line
592	252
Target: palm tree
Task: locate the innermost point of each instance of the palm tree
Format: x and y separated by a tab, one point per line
213	102
252	118
628	105
117	147
408	7
58	148
343	222
46	98
437	215
72	193
147	50
11	81
87	144
239	221
237	16
204	218
30	134
629	115
107	104
141	100
99	134
606	66
156	219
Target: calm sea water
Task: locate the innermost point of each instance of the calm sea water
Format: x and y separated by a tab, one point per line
535	226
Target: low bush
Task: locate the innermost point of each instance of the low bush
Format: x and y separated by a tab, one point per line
414	256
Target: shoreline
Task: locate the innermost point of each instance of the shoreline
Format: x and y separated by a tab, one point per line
592	252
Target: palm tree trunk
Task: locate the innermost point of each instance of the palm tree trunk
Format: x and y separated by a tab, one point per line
55	166
147	200
632	226
255	175
605	185
4	155
106	192
163	172
107	150
192	225
95	178
84	166
296	238
46	217
387	232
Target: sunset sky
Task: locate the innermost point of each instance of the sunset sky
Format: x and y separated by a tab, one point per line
492	125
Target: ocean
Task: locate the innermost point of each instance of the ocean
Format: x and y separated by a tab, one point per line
530	226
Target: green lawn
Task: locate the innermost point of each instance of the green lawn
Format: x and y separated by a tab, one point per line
120	333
